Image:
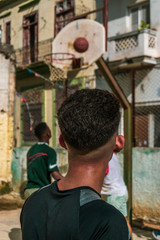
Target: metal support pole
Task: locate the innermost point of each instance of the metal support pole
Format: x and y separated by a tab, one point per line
105	20
133	108
66	87
127	128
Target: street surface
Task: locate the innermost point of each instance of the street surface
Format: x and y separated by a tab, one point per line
10	227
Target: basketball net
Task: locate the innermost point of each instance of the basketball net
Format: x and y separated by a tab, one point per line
56	74
59	64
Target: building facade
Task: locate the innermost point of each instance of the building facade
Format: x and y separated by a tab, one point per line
30	27
133	55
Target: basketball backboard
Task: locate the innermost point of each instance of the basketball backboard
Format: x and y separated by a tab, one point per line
84	39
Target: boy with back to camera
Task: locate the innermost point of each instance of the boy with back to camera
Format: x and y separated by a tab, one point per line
72	208
41	161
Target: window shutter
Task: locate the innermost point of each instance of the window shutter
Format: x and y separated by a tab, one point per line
8	32
134	18
146	14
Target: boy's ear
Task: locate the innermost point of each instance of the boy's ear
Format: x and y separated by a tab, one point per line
49	133
119	143
61	142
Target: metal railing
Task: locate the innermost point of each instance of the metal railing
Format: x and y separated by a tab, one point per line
133	44
28	55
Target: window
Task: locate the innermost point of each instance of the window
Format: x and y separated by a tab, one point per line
141	130
8	32
30	38
139	14
64	10
157	128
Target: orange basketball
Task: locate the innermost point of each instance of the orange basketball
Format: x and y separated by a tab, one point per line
81	45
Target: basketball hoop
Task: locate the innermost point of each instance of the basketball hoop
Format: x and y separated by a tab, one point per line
78	45
84	38
59	64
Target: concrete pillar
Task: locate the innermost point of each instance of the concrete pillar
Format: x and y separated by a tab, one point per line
48	109
151	131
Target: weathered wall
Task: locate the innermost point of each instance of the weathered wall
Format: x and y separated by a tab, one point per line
6	124
7	83
83	6
45	23
46	10
146	184
118	17
19	166
146	179
154	14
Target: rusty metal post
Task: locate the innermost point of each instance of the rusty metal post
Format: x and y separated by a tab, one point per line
66	87
133	108
105	20
102	65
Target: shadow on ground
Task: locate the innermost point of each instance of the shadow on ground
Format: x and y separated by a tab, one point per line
143	234
15	234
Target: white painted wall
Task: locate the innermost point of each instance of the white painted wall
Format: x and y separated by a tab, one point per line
4	83
118	21
148	90
154	14
118	16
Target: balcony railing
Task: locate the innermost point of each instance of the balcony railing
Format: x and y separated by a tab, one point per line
132	45
28	55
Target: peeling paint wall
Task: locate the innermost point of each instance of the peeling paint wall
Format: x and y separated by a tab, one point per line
146	178
7	85
82	6
6	123
146	184
19	166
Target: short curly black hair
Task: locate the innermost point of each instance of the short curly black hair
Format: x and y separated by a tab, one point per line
89	118
40	129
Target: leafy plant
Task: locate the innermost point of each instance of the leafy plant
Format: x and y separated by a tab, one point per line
144	25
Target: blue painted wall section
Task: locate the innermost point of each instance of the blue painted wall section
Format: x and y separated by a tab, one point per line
146	183
18	168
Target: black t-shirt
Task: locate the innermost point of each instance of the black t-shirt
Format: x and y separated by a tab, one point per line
76	214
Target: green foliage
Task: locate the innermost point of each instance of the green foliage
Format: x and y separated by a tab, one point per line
144	25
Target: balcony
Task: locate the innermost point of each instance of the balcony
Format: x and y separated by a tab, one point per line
30	55
133	49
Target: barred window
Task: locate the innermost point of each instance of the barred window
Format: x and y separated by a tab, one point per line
64	12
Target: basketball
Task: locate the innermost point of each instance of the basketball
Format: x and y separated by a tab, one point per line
81	45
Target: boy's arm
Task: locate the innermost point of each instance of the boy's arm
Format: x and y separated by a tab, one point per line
56	175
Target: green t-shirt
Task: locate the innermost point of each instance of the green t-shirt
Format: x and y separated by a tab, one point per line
41	161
